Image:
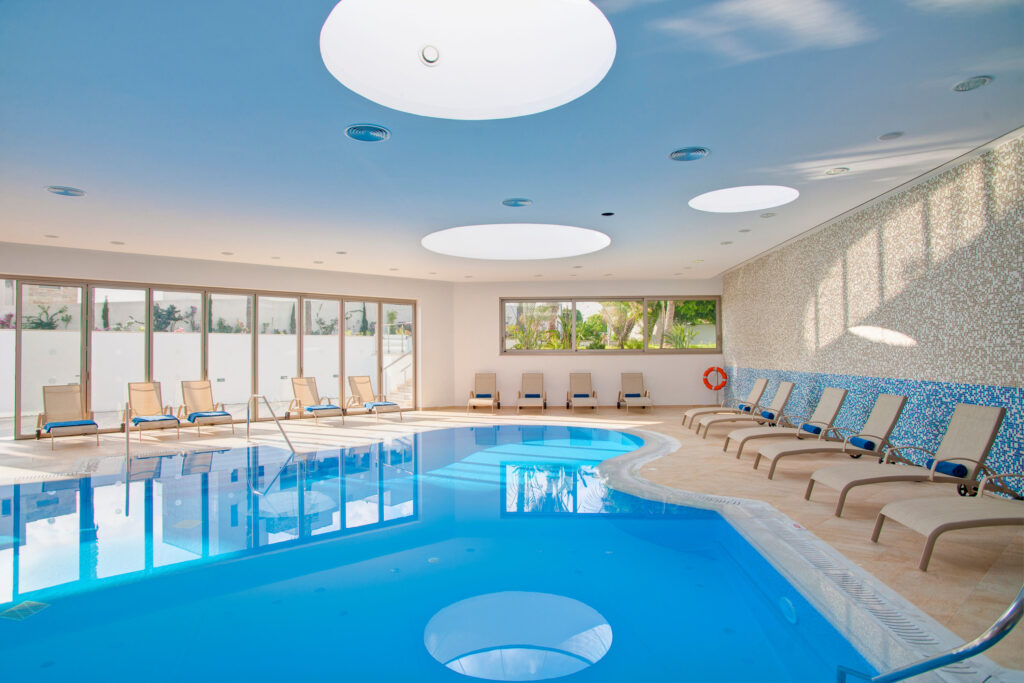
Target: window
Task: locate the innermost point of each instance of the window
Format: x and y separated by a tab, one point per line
611	325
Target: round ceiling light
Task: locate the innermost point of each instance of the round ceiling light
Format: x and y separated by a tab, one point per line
838	170
368	132
517	202
746	198
515	241
690	154
972	83
65	191
468	60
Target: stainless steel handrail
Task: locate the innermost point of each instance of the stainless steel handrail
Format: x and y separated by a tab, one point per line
996	632
248	421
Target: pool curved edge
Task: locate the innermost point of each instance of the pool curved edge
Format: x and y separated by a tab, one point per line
887	629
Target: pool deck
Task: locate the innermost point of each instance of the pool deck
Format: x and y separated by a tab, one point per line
972	578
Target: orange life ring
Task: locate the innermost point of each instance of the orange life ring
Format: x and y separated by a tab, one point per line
722	377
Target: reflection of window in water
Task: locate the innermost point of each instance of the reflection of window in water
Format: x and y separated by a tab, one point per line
555	489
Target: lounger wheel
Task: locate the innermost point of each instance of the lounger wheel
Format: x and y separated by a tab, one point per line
618	405
965	490
498	405
856	455
567	405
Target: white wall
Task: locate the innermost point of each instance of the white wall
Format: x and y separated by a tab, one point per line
673	379
434	299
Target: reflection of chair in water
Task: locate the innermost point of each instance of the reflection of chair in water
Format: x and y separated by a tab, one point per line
199	408
362	394
140	469
308	401
198	463
146	410
64	413
485	436
531	433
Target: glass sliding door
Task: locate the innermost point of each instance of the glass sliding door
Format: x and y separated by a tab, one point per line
321	345
117	352
397	369
51	345
278	349
7	326
361	342
177	341
229	321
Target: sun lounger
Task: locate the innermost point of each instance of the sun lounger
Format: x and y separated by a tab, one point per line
146	409
199	408
932	517
748	405
818	425
64	413
769	415
581	392
308	401
634	392
485	392
873	438
959	460
363	396
531	393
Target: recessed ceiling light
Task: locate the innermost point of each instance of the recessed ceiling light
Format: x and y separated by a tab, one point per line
368	132
517	201
608	213
768	215
572	274
577	267
838	170
973	83
468	60
891	135
276	258
467	276
746	198
228	253
318	262
431	273
745	230
726	242
52	237
65	191
676	274
608	274
698	260
687	267
342	253
690	154
392	269
515	241
117	242
538	275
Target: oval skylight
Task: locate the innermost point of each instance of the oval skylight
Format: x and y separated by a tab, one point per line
468	60
745	198
515	241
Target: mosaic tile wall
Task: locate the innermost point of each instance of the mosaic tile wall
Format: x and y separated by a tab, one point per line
921	293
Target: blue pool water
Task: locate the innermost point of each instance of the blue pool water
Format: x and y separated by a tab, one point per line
496	552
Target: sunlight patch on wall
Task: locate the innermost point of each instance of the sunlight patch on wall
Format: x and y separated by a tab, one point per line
863	279
831	322
903	248
882	335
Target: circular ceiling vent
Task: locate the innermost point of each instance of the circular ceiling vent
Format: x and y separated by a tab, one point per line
972	83
368	132
517	202
690	154
65	191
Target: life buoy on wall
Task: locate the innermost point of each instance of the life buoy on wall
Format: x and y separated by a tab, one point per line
722	378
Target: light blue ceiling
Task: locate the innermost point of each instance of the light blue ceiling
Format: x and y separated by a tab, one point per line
197	127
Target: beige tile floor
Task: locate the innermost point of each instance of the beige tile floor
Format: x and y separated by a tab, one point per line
973	575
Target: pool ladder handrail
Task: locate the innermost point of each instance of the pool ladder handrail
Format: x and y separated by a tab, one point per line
248	410
996	632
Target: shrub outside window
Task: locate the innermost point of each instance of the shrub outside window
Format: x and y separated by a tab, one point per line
682	324
537	325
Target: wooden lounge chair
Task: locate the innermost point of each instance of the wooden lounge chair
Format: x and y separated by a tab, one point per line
873	438
769	415
581	392
968	438
199	408
634	392
531	393
308	401
64	413
146	410
485	392
818	425
932	517
363	397
748	405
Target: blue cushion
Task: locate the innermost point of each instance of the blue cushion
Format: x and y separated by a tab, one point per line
581	395
634	395
378	404
481	396
207	413
70	423
813	429
861	442
153	418
953	469
531	395
310	409
768	414
744	407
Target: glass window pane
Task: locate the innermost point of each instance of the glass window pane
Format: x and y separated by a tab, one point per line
532	325
278	348
230	350
361	343
609	324
682	324
118	351
7	326
321	343
397	344
177	342
51	344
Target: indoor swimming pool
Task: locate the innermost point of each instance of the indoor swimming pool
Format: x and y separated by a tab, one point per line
494	552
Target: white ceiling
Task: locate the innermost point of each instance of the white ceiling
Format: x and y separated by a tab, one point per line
198	128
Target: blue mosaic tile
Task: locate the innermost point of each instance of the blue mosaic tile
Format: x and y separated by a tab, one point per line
925	416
